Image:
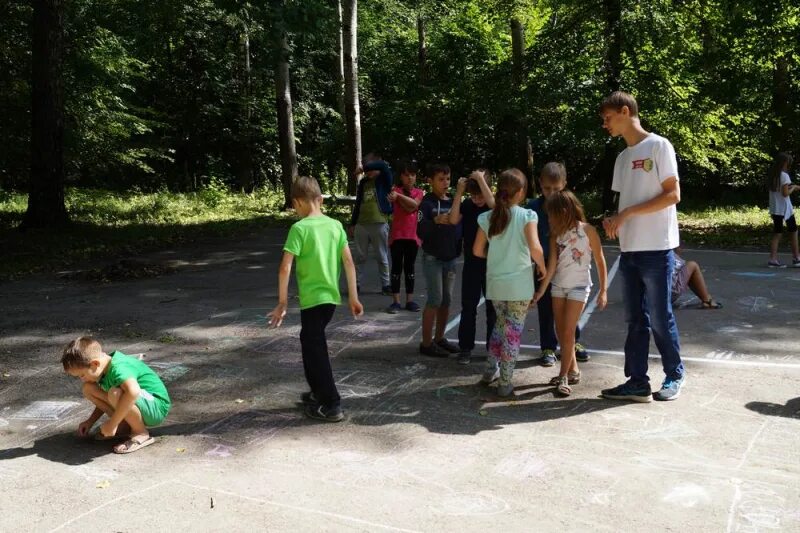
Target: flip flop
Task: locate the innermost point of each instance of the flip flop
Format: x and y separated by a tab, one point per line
133	444
711	303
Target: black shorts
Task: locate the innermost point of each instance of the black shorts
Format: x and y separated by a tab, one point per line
777	224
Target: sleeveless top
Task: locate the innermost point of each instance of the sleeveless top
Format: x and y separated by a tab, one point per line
574	259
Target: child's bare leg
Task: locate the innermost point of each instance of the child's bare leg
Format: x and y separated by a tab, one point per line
134	416
567	313
696	281
99	397
396	297
793	240
442	313
773	246
428	316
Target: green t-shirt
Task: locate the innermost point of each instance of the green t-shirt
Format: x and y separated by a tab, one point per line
317	243
370	212
123	367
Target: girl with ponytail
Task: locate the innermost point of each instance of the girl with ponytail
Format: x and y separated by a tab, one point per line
510	232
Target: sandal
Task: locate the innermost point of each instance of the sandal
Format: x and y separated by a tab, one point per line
100	437
710	304
572	378
563	388
134	443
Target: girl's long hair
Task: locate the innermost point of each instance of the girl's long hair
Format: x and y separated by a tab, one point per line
509	183
564	212
774	173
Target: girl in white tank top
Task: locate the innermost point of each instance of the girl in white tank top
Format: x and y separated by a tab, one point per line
573	244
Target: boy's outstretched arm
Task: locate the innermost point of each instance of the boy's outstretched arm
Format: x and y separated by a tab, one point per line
352	287
284	271
488	195
130	392
600	261
454	216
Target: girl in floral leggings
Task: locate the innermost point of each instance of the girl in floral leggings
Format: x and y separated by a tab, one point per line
513	241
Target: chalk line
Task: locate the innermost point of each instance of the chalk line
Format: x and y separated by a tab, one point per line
587	313
299	508
683	357
751	444
737	496
109	502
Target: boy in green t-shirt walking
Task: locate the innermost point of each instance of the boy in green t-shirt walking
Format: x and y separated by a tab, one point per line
320	245
122	387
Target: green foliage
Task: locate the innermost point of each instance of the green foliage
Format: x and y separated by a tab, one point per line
158	94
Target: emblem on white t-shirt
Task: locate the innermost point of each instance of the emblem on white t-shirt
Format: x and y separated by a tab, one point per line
644	164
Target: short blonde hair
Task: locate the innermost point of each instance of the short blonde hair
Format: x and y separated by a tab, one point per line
81	352
306	188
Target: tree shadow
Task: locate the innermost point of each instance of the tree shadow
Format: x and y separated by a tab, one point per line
790	410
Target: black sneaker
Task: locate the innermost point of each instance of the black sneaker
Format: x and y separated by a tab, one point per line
433	350
629	392
464	358
308	398
448	346
581	354
326	414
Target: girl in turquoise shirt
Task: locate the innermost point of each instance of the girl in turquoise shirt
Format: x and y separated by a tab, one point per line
513	241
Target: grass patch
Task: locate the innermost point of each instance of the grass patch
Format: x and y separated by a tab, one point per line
725	227
107	226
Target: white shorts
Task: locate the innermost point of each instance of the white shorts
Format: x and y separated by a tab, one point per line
579	294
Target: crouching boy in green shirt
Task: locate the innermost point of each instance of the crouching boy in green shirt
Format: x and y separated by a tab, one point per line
122	387
320	245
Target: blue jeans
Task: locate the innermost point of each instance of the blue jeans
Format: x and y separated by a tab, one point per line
646	287
439	277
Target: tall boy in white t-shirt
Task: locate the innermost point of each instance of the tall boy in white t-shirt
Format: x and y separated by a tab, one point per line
646	178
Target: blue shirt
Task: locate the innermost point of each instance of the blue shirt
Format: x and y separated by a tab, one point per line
543	226
509	273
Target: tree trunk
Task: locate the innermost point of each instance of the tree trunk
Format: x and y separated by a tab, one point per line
524	146
422	52
285	119
46	206
613	67
351	105
781	105
246	181
340	63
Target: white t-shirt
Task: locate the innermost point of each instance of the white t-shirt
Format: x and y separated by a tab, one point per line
638	174
778	203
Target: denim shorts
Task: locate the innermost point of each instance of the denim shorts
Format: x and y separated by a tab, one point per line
440	276
579	294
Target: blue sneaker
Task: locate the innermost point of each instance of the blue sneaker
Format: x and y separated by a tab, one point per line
629	392
670	389
548	358
412	306
394	308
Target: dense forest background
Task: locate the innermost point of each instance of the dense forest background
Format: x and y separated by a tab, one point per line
190	94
